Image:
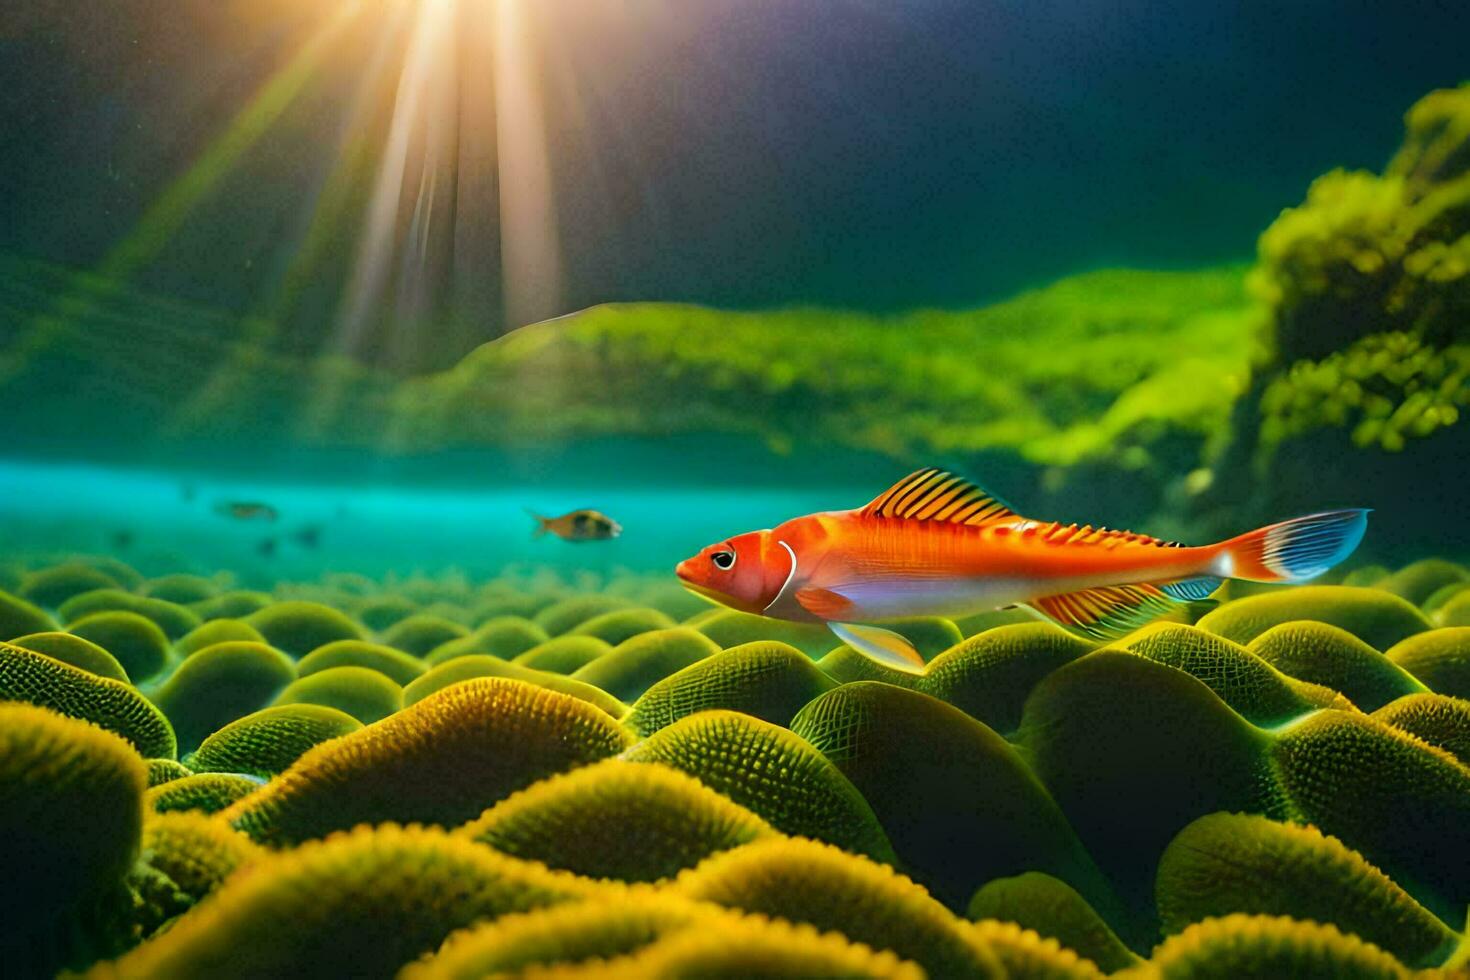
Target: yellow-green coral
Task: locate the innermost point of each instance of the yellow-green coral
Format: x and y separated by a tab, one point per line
80	653
394	664
769	680
299	627
1263	947
269	740
18	617
1375	617
806	881
217	631
175	620
468	667
361	692
236	604
618	820
162	771
1026	954
1053	909
1418	581
52	586
1226	863
442	760
1439	658
989	675
774	773
501	636
135	641
221	683
1439	720
622	624
637	664
195	851
110	704
381	612
566	615
180	588
421	632
729	628
1333	657
208	792
565	654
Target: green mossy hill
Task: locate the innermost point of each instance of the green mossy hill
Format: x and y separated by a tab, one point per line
772	772
1441	721
381	612
957	801
467	668
162	771
179	588
267	742
1456	611
1377	618
113	705
395	664
50	587
566	655
1403	804
18	617
1053	909
769	680
1256	691
1419	581
1263	947
1133	750
501	636
299	627
443	760
567	614
622	624
809	882
421	632
638	663
219	684
1333	657
206	792
71	812
196	852
846	666
1226	863
1439	658
217	631
362	905
729	628
615	819
173	619
1026	953
361	692
133	640
236	604
989	676
80	653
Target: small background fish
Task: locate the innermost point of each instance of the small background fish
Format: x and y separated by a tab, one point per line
578	525
246	510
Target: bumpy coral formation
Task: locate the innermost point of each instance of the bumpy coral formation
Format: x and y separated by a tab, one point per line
499	636
216	631
267	741
420	633
173	619
221	683
365	694
1265	946
622	624
1439	658
299	627
1443	722
80	653
482	665
989	675
396	665
1336	659
643	660
207	792
1377	618
1052	909
18	617
566	655
136	642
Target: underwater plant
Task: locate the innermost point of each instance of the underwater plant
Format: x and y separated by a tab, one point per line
1268	946
299	627
1439	658
499	636
566	654
641	661
483	665
75	650
622	624
989	675
1052	909
216	631
18	617
398	666
418	634
135	641
206	792
1377	618
196	853
1320	653
267	741
162	771
219	684
175	620
50	587
365	694
1441	721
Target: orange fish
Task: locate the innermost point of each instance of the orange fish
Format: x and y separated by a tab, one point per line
937	545
578	525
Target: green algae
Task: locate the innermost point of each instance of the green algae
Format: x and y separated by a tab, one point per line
422	632
768	680
1439	658
1052	909
772	772
1377	618
505	637
162	771
221	683
1455	611
567	614
80	653
565	655
483	665
268	741
217	631
394	664
1419	581
361	692
1263	946
729	628
195	852
50	587
1441	721
133	640
113	705
443	760
1333	657
235	604
989	675
19	618
205	792
638	663
622	624
299	627
180	588
173	619
1026	953
382	612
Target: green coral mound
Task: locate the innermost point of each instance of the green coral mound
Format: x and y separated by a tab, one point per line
1456	611
846	665
443	760
483	665
730	628
1420	580
1053	909
421	632
1441	721
502	636
1439	658
1133	750
173	619
772	772
268	741
221	683
1026	953
208	792
1256	691
18	617
80	653
1373	616
381	612
299	627
1333	657
769	680
1263	947
71	811
51	587
567	614
395	664
1226	863
217	631
133	640
622	624
1384	793
113	705
990	675
196	852
162	771
564	654
359	905
809	882
180	588
365	694
957	801
618	820
236	604
637	664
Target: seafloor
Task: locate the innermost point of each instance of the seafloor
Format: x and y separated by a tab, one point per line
531	776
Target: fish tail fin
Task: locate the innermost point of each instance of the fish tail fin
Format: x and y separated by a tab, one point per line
1291	551
541	522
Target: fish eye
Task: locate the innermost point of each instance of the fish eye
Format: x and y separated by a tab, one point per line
723	560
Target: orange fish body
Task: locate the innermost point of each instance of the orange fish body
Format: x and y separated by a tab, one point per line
936	545
578	525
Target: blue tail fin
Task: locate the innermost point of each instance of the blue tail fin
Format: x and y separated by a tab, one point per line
1292	551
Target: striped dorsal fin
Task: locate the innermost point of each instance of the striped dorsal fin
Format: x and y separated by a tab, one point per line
1057	533
933	495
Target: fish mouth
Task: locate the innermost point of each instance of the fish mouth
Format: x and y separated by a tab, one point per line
704	592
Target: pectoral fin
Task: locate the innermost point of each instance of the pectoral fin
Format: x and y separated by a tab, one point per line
823	602
885	646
